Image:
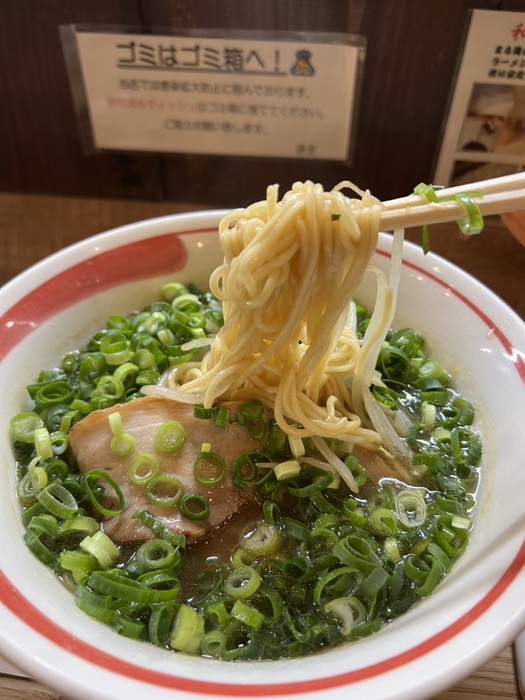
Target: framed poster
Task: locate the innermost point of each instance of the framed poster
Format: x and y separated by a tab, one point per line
266	94
484	134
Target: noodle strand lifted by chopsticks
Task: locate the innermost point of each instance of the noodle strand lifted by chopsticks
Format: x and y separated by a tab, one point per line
290	270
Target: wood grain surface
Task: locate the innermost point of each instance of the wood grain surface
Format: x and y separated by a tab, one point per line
32	227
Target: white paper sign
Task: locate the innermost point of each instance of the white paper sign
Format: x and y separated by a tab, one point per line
485	131
227	96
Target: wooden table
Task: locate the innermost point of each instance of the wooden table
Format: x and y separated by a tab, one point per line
32	227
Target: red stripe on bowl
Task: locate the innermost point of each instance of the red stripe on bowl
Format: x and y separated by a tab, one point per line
515	357
27	612
29	316
135	261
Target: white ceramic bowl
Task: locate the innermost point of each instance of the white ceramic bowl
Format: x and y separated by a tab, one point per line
480	607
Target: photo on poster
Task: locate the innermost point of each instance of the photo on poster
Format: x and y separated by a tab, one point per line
483	132
495	120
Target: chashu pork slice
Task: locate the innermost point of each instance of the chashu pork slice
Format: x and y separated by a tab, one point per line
90	441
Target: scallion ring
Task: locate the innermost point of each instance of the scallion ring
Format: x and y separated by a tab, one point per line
209	468
242	583
23	426
122	445
170	436
411	508
156	554
143	468
263	541
164	490
88	481
192	501
58	500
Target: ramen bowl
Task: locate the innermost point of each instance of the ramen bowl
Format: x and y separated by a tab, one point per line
478	608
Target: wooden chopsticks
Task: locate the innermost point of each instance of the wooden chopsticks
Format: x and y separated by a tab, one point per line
500	194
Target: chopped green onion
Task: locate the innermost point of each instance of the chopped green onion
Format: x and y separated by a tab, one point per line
217	613
209	468
172	290
41	551
188	630
441	556
205	413
127	627
79	563
466	410
250	411
287	470
242	583
156	554
38	477
452	541
79	524
473	222
164	490
247	615
160	624
192	500
58	500
391	549
433	370
143	468
350	575
425	240
355	552
101	547
223	418
164	584
374	582
350	610
118	585
109	387
426	191
92	477
43	445
122	445
411	508
170	436
146	518
296	529
461	523
23	426
45	524
429	415
115	423
52	394
296	446
384	522
213	643
59	442
265	540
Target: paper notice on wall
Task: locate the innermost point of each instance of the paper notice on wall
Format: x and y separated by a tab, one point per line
484	135
242	95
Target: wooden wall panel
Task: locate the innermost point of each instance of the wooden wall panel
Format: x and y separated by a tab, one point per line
412	52
411	56
39	145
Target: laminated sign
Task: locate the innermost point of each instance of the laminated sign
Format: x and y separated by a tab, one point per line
243	94
484	135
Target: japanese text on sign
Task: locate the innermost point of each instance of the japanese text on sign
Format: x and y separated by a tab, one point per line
485	131
220	96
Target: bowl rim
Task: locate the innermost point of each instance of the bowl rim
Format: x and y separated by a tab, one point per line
111	240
